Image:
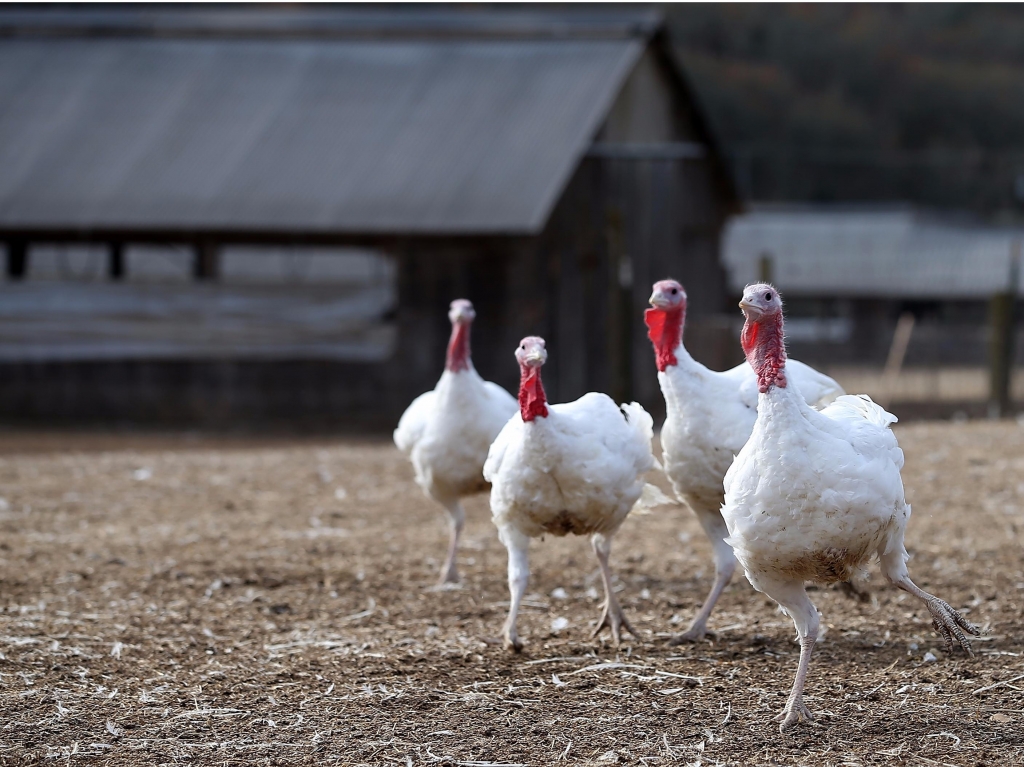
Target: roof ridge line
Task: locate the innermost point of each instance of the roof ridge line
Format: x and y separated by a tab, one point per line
272	25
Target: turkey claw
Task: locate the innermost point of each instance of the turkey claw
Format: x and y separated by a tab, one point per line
613	618
444	586
793	713
512	642
951	625
695	633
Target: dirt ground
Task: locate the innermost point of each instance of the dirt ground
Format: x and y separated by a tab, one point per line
187	600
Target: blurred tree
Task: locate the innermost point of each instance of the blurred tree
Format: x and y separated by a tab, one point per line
863	102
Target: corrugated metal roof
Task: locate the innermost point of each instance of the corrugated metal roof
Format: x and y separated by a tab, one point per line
313	136
868	253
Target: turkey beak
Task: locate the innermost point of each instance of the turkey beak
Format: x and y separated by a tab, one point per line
752	312
657	300
536	357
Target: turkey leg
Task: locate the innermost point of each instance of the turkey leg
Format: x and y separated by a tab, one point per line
518	546
457	520
611	614
947	622
792	597
725	566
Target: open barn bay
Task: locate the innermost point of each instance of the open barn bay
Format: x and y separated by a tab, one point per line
173	600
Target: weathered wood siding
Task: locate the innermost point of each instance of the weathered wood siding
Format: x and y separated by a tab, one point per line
623	223
66	321
582	283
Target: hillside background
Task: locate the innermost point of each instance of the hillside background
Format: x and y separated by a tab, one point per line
835	103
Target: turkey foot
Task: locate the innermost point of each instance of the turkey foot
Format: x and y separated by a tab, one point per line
449	574
611	613
510	639
947	622
951	625
696	633
725	566
613	618
795	712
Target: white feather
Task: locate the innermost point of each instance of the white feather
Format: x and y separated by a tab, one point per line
710	416
815	494
579	470
447	432
709	419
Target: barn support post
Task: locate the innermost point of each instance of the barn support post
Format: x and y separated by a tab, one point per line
427	276
1003	340
207	260
871	323
116	265
17	259
488	289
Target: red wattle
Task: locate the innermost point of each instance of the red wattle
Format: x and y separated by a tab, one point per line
665	329
458	348
748	338
532	399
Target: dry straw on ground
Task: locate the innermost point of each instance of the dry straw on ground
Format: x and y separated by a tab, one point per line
172	602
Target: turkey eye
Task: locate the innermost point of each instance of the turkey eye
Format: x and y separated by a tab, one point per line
674	291
767	296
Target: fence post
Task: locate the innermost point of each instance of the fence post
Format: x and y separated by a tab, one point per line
1003	340
897	353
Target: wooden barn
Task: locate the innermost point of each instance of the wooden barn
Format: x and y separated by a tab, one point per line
233	216
848	272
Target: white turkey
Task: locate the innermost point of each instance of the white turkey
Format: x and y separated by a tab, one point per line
573	468
446	432
709	416
813	496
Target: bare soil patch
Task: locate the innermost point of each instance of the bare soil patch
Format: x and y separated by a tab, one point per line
267	603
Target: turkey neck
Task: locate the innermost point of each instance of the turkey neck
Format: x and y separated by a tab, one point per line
765	348
665	329
458	348
532	399
679	375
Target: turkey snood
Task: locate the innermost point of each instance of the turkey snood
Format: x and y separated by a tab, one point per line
762	341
